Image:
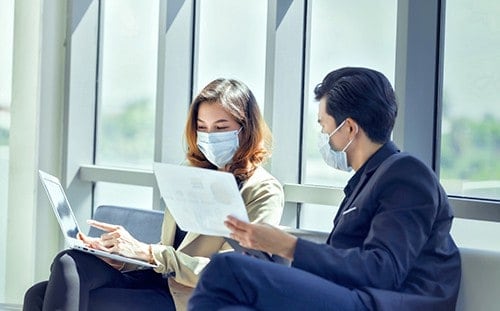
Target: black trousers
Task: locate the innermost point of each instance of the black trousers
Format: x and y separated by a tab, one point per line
80	281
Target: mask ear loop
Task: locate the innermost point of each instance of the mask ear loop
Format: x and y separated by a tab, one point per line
337	129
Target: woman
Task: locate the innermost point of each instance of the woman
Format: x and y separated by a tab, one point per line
225	131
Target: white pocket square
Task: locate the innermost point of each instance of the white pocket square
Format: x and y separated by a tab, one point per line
347	211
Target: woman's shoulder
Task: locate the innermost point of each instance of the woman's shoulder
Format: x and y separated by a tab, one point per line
261	178
261	174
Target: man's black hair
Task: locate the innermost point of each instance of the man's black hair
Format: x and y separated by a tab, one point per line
362	94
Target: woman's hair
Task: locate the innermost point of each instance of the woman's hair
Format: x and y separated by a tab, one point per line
255	137
362	94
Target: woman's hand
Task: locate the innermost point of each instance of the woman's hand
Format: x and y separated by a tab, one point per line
87	241
118	240
92	243
262	237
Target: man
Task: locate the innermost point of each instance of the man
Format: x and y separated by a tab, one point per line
390	247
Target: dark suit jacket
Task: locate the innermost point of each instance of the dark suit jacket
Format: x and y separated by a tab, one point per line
390	240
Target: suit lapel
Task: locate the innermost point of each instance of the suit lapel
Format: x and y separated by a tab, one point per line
373	164
355	192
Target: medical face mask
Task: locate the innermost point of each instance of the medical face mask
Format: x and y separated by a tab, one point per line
219	148
334	158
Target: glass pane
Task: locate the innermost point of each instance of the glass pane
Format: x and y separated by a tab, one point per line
470	136
364	35
232	44
6	42
123	195
129	42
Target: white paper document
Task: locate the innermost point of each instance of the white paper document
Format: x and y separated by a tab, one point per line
200	199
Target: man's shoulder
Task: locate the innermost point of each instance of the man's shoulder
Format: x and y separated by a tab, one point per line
404	166
404	159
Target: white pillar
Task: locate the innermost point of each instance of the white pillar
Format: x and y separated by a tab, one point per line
35	136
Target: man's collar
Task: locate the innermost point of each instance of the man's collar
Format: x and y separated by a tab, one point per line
387	149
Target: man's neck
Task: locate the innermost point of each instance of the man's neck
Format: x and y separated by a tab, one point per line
362	151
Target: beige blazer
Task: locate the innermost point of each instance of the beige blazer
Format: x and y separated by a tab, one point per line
264	200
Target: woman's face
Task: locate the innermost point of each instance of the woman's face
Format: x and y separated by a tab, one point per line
213	118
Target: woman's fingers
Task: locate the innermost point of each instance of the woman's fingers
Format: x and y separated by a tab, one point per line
102	225
82	237
111	236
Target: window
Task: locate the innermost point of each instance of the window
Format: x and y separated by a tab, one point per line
6	42
364	35
233	44
470	133
128	47
127	93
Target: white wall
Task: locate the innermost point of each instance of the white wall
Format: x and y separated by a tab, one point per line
6	32
36	120
4	163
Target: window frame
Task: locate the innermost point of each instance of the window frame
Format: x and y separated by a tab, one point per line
418	76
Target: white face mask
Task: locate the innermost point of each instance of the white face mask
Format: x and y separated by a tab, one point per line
334	158
219	148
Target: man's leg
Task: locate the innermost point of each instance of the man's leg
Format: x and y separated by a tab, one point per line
237	280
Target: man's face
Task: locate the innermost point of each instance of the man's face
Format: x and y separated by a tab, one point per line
325	121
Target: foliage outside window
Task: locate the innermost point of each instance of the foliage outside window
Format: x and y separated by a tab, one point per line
470	137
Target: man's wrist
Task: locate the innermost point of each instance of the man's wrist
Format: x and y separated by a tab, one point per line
290	244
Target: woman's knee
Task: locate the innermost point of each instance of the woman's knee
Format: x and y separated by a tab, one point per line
74	259
64	258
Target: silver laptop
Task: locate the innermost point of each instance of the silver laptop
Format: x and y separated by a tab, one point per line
68	224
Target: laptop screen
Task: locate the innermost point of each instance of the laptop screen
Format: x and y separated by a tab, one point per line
60	203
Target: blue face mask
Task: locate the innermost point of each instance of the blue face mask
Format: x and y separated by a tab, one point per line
334	158
220	147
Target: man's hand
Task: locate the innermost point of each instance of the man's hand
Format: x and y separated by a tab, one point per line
262	237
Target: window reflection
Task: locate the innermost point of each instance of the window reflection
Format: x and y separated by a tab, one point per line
125	126
129	44
470	134
123	195
364	34
232	44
